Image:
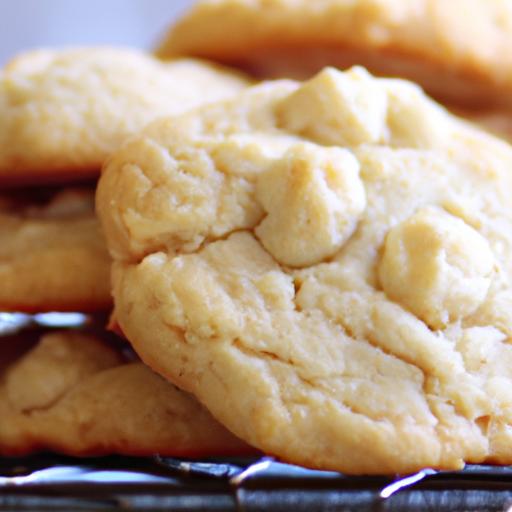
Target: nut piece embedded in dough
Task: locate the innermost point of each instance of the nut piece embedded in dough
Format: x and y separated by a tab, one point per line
335	108
437	266
313	197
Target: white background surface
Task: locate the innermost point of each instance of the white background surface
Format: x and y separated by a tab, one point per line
26	24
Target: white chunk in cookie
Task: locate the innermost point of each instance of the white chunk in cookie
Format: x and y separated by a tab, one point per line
436	266
313	197
348	109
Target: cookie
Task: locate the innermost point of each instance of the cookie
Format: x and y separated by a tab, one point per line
52	254
327	267
497	122
464	60
74	394
62	112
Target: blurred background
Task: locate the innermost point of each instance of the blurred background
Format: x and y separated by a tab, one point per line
28	24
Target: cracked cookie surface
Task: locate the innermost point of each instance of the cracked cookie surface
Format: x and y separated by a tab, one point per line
53	255
63	112
334	284
74	394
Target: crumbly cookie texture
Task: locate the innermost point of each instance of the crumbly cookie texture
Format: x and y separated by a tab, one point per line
334	284
63	112
53	256
74	394
463	59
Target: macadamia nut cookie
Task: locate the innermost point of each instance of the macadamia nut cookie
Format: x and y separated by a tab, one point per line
327	266
52	254
62	112
72	393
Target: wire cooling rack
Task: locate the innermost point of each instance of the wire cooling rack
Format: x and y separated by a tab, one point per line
49	482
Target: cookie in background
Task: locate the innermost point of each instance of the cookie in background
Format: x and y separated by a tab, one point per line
463	60
62	112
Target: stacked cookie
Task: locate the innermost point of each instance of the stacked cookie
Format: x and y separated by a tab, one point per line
325	266
63	113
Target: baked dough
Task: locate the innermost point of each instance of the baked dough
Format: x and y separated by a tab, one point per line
74	394
458	50
328	268
52	255
62	112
